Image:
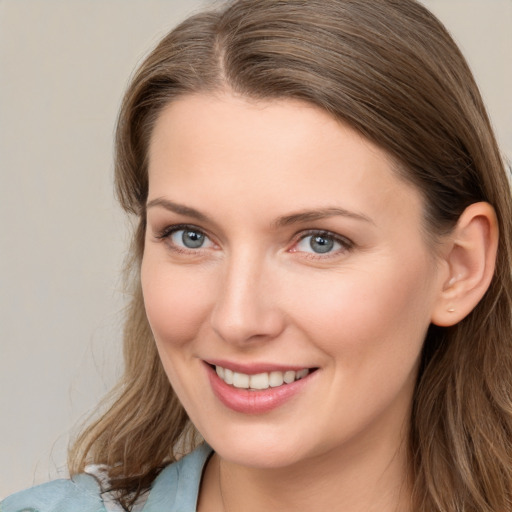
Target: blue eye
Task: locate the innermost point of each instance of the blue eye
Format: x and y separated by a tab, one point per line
188	238
321	243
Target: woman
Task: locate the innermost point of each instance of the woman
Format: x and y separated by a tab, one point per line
321	269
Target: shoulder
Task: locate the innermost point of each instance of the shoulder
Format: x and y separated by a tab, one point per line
175	489
82	493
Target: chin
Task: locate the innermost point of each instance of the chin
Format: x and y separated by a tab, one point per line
259	457
258	451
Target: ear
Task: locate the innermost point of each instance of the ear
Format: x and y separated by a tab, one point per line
469	258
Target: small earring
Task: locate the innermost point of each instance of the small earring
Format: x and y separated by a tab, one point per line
451	310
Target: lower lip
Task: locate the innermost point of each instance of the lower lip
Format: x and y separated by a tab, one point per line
254	402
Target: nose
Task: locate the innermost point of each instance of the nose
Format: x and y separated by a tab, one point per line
246	310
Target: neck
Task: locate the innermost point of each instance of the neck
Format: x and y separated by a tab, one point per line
367	477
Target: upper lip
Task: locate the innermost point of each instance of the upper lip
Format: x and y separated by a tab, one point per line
255	368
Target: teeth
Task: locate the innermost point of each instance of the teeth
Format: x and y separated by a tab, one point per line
228	376
240	380
289	376
301	374
276	379
260	381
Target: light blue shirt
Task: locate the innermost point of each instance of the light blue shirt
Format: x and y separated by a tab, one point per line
175	489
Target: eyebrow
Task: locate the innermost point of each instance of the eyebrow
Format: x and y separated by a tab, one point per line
317	214
180	209
286	220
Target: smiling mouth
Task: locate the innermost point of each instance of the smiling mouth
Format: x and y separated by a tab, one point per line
260	381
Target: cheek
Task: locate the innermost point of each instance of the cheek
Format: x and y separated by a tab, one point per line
359	317
176	301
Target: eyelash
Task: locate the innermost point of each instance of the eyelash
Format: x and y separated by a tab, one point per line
345	244
167	232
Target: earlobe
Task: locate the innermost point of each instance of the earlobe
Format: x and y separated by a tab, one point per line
470	259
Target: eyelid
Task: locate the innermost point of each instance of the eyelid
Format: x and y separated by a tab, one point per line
170	229
165	235
346	243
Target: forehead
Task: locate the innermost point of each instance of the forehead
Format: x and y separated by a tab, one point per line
286	153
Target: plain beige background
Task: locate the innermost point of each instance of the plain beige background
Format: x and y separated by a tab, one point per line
63	67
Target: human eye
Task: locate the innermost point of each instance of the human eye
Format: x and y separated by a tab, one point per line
321	243
185	238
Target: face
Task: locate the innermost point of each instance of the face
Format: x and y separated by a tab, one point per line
286	279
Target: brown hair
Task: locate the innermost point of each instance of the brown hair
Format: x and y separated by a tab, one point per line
390	70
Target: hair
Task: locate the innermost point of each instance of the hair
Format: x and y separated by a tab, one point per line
390	70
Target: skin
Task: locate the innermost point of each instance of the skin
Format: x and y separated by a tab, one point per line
257	292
